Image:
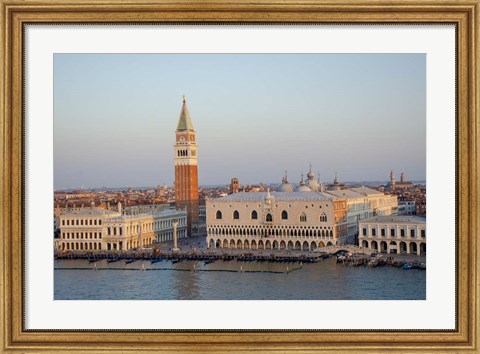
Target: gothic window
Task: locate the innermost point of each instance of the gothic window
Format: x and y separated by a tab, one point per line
254	215
303	217
219	215
323	217
284	215
236	215
269	217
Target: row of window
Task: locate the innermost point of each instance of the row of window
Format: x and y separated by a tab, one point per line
76	235
155	226
393	232
182	153
82	222
269	217
81	246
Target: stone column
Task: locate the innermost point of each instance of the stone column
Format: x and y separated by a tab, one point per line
175	247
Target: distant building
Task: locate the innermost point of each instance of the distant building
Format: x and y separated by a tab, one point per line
234	186
381	203
407	207
95	229
395	185
363	203
336	184
398	234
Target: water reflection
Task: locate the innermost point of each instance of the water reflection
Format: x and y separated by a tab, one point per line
186	285
233	280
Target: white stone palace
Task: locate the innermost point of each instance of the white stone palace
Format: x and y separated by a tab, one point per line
274	220
96	229
401	234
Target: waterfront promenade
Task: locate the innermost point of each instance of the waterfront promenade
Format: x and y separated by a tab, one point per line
195	250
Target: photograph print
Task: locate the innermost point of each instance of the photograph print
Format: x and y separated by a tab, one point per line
240	177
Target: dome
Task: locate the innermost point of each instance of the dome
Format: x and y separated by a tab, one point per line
310	175
313	185
286	187
303	188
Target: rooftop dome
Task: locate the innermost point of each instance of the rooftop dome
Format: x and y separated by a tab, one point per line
285	186
303	187
313	185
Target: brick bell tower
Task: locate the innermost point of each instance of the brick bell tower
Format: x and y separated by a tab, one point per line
186	170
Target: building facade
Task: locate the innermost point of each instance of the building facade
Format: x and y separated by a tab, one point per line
278	220
400	234
186	169
363	203
406	207
95	229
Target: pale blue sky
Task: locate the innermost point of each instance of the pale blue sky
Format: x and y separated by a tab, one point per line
255	115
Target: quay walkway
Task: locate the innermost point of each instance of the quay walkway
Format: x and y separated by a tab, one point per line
196	251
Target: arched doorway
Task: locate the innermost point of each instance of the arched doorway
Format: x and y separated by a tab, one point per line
305	246
423	248
413	248
261	245
383	247
392	247
275	245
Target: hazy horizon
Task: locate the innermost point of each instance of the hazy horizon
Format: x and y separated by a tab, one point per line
255	116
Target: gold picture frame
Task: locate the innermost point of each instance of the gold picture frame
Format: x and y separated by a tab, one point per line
463	14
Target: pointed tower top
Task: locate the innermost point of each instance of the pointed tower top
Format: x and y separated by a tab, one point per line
302	183
184	121
335	181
